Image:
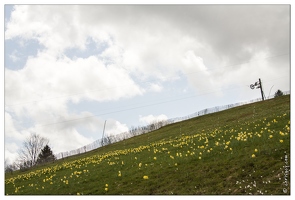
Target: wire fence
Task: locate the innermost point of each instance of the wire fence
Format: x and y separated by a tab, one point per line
134	131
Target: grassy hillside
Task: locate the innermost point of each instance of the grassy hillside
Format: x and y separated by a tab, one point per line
243	150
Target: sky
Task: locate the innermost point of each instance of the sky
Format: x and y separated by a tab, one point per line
70	68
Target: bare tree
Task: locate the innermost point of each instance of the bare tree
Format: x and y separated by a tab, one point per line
8	167
113	139
107	140
31	148
133	131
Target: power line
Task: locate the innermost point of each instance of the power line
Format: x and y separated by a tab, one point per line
143	106
149	81
122	110
187	97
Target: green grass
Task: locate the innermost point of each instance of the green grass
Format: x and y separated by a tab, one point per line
242	150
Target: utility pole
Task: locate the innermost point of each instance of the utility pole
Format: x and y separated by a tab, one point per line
257	85
103	132
261	90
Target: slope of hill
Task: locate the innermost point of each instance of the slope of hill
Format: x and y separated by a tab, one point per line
243	150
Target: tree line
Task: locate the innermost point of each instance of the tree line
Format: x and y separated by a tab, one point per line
110	139
35	151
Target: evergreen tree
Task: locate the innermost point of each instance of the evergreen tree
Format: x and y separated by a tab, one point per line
45	155
279	93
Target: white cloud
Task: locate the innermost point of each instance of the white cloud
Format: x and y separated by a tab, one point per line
66	139
45	85
114	127
11	147
10	153
163	43
151	118
33	23
196	72
10	129
42	89
66	129
156	87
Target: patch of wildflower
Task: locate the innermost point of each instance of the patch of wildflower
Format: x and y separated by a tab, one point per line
197	145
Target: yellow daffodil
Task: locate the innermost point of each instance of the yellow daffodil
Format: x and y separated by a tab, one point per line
281	133
145	177
253	156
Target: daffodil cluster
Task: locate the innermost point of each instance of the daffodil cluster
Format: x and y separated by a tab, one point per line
197	145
